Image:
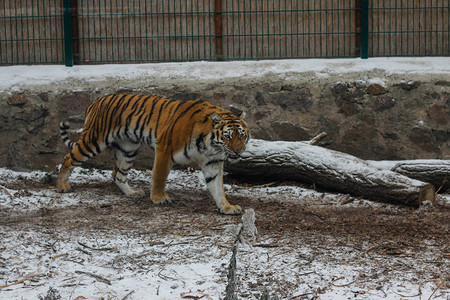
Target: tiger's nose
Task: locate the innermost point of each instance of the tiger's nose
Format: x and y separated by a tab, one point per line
238	152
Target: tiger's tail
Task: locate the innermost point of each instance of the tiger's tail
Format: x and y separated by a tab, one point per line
63	126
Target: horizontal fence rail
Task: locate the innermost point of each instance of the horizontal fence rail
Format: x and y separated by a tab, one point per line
135	31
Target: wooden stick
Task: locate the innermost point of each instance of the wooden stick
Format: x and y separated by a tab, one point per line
341	285
317	138
439	286
97	249
14	283
98	277
5	190
20	281
128	295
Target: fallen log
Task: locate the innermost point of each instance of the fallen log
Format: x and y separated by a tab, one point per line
434	171
301	161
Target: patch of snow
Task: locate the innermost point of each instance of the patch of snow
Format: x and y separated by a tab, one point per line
380	81
13	78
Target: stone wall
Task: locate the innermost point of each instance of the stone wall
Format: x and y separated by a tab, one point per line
406	117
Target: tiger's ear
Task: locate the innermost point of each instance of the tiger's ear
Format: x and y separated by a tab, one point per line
215	118
242	116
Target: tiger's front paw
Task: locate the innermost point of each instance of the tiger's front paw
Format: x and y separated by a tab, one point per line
136	193
161	199
232	210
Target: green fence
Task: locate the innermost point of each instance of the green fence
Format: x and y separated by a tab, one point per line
135	31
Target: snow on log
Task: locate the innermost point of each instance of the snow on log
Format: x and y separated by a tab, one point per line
434	171
301	161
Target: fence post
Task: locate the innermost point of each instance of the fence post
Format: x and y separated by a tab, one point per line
364	29
68	43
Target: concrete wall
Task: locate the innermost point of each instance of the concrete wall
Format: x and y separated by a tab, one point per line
407	117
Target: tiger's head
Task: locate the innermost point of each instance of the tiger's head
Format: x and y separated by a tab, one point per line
229	134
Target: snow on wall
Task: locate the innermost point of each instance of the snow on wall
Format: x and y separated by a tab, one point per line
15	77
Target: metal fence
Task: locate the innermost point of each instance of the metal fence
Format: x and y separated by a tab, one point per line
31	32
409	28
133	31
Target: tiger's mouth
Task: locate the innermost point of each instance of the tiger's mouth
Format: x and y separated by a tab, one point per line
233	156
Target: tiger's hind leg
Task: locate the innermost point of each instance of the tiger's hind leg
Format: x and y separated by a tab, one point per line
64	173
81	152
124	155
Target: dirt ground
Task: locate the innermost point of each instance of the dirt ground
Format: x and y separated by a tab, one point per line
314	245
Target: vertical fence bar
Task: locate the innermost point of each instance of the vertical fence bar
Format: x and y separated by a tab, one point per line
68	44
364	29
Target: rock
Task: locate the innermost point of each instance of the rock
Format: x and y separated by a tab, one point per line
260	114
260	99
43	96
219	96
328	125
442	82
346	92
438	113
408	86
347	97
32	113
286	131
376	89
287	87
391	135
186	96
261	133
17	100
299	99
422	137
441	136
73	103
237	98
348	109
128	91
17	160
384	102
360	140
236	110
433	95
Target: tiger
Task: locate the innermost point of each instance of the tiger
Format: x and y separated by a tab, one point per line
193	132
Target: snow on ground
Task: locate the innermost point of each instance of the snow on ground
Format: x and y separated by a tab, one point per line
19	77
51	240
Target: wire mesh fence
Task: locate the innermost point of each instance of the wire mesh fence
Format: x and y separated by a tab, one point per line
289	29
409	28
199	30
31	32
134	31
